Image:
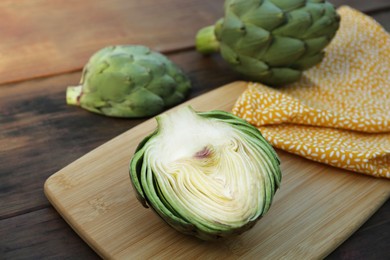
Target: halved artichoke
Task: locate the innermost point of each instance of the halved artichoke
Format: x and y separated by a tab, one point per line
207	174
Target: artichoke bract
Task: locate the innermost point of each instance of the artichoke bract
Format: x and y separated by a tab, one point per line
271	41
129	81
207	174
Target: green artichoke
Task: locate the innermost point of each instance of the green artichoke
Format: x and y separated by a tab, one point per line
129	81
271	41
207	174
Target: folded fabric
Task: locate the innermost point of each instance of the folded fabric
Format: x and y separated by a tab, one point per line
339	112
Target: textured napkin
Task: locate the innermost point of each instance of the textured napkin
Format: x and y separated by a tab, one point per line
339	112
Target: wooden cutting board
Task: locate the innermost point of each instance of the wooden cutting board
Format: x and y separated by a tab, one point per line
315	210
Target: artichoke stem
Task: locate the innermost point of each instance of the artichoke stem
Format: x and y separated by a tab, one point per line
73	94
206	41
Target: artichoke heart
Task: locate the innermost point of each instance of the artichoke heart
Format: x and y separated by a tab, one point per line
207	174
281	37
129	81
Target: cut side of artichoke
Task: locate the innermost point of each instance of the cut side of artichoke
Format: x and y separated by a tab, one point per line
207	174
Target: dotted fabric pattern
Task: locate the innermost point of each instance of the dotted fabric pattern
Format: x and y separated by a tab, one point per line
339	112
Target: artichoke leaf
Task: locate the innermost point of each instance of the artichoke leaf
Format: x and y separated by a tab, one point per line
316	10
254	68
316	45
92	102
154	67
255	40
141	101
289	5
232	21
268	16
283	75
229	55
164	86
284	51
101	54
231	30
230	36
298	23
174	98
307	61
240	7
118	86
322	26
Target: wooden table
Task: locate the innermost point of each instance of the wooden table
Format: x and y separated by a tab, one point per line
44	44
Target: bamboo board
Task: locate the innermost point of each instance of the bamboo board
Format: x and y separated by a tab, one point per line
315	210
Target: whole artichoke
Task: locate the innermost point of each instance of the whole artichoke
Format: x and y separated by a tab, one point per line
129	81
271	41
207	174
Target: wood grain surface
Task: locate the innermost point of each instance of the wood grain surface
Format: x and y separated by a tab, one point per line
40	134
316	209
46	37
66	33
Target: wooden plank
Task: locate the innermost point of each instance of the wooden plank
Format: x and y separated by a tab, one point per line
316	209
47	37
40	235
37	126
363	5
383	18
369	241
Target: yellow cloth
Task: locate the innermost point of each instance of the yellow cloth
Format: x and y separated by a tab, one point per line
339	112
